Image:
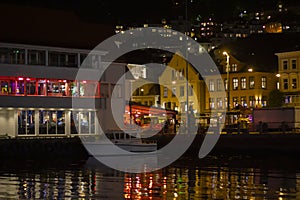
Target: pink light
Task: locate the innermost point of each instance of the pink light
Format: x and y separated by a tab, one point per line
27	79
20	78
83	81
64	81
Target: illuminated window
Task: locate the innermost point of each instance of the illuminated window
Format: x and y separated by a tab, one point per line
251	82
251	101
235	82
181	74
26	122
264	82
173	91
234	67
244	101
226	84
51	122
211	85
212	103
264	101
235	101
294	83
243	83
219	103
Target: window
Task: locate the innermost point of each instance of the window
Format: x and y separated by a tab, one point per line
235	101
244	101
285	65
294	64
211	85
219	84
235	82
225	101
264	82
211	103
191	90
219	103
173	91
62	59
181	91
243	83
264	101
294	83
82	122
36	57
251	101
12	56
51	122
251	82
165	92
234	67
226	84
173	75
181	74
285	84
26	122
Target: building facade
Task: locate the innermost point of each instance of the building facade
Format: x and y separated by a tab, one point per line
249	87
173	87
289	76
38	89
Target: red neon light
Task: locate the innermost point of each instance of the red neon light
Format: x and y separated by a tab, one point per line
20	79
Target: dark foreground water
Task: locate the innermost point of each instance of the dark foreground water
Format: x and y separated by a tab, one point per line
232	177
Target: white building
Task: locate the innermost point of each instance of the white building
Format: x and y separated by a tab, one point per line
38	86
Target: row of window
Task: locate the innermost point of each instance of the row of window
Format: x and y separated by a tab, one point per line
292	86
286	66
54	122
217	86
242	101
181	91
49	58
59	88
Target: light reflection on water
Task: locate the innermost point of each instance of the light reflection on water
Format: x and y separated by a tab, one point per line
185	179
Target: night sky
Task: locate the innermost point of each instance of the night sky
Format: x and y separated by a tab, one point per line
152	11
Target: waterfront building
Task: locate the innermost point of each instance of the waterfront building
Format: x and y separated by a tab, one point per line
38	83
249	86
289	76
173	87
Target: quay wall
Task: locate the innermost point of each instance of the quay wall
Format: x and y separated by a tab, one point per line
72	148
42	148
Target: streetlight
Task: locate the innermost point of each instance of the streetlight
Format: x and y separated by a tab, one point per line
228	82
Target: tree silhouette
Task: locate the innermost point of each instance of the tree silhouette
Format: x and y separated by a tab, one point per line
275	98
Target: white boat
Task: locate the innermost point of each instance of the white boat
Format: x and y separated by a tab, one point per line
115	143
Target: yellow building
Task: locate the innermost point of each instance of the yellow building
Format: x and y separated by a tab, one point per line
173	87
249	86
289	76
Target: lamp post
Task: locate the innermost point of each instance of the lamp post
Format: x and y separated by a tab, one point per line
228	82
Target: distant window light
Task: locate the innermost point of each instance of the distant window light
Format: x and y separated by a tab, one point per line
263	82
